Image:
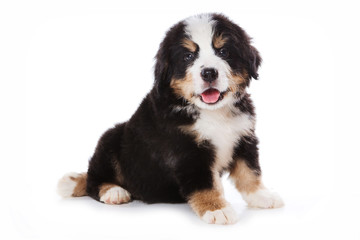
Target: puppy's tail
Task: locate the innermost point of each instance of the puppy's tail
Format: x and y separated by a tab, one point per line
72	185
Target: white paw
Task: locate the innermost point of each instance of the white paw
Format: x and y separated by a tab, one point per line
225	215
263	198
115	195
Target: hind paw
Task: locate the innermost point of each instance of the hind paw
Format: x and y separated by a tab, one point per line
113	194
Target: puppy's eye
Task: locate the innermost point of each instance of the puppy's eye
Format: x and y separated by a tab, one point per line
188	57
223	52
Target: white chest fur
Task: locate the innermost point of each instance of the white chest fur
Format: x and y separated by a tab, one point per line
223	129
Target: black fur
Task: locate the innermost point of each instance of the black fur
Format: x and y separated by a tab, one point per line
149	155
243	56
247	149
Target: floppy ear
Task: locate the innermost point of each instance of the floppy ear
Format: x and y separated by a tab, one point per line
164	68
254	61
251	59
161	71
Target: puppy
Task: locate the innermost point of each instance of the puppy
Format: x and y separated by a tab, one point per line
196	123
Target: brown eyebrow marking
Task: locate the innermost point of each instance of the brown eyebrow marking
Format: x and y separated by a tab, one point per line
219	41
190	45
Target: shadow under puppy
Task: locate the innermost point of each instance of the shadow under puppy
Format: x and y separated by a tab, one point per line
196	123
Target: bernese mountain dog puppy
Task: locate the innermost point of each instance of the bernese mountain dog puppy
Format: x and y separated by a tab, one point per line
196	123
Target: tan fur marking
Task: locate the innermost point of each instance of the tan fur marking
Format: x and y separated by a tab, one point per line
105	187
245	179
80	189
190	45
237	81
183	87
245	74
206	200
219	41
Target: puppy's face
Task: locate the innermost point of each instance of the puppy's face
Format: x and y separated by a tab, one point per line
206	60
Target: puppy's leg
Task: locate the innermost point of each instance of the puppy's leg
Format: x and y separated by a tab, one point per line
200	185
104	176
211	206
104	189
246	175
249	184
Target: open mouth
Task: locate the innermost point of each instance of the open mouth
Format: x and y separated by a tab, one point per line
212	96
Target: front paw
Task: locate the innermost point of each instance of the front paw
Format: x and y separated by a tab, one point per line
225	215
263	198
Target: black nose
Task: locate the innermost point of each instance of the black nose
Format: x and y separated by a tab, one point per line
209	74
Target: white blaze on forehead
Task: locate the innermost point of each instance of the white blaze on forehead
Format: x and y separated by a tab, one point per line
200	30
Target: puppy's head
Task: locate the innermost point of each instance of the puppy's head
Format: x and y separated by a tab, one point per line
206	60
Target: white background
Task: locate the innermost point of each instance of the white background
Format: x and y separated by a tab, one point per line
71	69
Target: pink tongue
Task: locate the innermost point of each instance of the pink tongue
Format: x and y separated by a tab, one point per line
210	96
